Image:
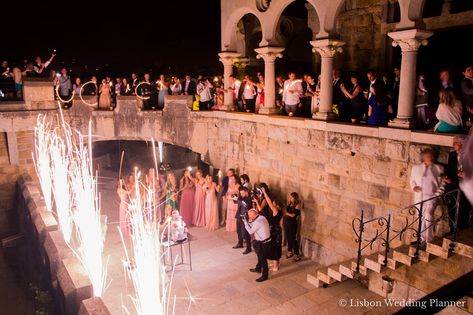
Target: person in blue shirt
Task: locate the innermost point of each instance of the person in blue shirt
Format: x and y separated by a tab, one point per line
377	106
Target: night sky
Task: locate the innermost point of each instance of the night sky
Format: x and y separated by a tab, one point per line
115	36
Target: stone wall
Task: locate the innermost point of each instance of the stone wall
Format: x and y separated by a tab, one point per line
338	169
360	26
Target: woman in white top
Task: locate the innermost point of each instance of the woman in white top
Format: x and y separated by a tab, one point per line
427	181
176	86
449	112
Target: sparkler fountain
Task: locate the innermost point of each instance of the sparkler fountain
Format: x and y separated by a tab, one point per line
145	268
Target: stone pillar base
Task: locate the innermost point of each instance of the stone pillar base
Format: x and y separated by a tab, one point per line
268	111
324	116
404	123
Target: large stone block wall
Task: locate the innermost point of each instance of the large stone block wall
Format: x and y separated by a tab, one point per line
337	169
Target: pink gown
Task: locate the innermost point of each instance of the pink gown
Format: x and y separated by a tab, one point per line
198	218
211	210
124	216
187	204
231	209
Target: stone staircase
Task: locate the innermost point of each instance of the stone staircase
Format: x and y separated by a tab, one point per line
435	267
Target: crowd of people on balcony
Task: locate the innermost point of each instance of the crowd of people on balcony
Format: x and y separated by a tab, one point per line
367	99
228	201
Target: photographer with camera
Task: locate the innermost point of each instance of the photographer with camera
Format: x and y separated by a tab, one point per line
244	204
258	226
274	217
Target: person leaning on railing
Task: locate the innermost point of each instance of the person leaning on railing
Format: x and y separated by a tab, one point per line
427	181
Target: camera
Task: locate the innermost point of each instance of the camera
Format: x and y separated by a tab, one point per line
256	192
235	198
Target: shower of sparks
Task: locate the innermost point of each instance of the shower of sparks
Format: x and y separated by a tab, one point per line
160	147
90	233
145	267
64	167
42	138
61	184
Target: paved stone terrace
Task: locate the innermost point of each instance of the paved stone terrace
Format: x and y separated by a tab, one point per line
221	282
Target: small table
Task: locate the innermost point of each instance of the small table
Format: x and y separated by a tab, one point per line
170	253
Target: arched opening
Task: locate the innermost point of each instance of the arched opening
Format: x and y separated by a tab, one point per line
139	154
393	14
296	27
433	8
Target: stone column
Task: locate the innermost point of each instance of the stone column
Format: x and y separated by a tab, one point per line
327	48
227	58
269	55
409	41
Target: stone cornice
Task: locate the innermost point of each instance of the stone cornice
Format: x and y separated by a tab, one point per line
269	54
228	57
327	48
410	40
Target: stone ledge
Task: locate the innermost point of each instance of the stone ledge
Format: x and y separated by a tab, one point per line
74	284
367	131
56	250
93	306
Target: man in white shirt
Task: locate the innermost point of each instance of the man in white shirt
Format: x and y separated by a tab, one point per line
427	181
203	89
235	87
39	66
292	93
259	227
248	94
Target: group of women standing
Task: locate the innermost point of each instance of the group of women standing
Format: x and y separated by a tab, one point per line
198	204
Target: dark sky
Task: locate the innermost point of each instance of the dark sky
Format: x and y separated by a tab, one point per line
125	35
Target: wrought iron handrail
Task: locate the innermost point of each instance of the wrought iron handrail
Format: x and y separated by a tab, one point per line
384	232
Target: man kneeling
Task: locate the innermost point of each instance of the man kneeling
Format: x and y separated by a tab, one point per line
259	227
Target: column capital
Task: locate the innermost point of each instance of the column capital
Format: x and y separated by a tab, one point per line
269	54
228	57
327	48
410	40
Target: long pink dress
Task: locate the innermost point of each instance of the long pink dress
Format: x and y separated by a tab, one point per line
187	204
231	209
124	215
198	218
211	209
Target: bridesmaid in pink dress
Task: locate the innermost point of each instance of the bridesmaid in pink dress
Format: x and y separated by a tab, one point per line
198	218
186	207
125	192
231	206
211	204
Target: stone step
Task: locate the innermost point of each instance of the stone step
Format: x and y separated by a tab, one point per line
423	255
461	248
401	254
334	272
363	271
438	250
323	276
371	263
345	269
392	264
314	281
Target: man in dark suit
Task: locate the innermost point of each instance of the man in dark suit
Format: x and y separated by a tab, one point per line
467	93
134	82
454	175
189	87
244	204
